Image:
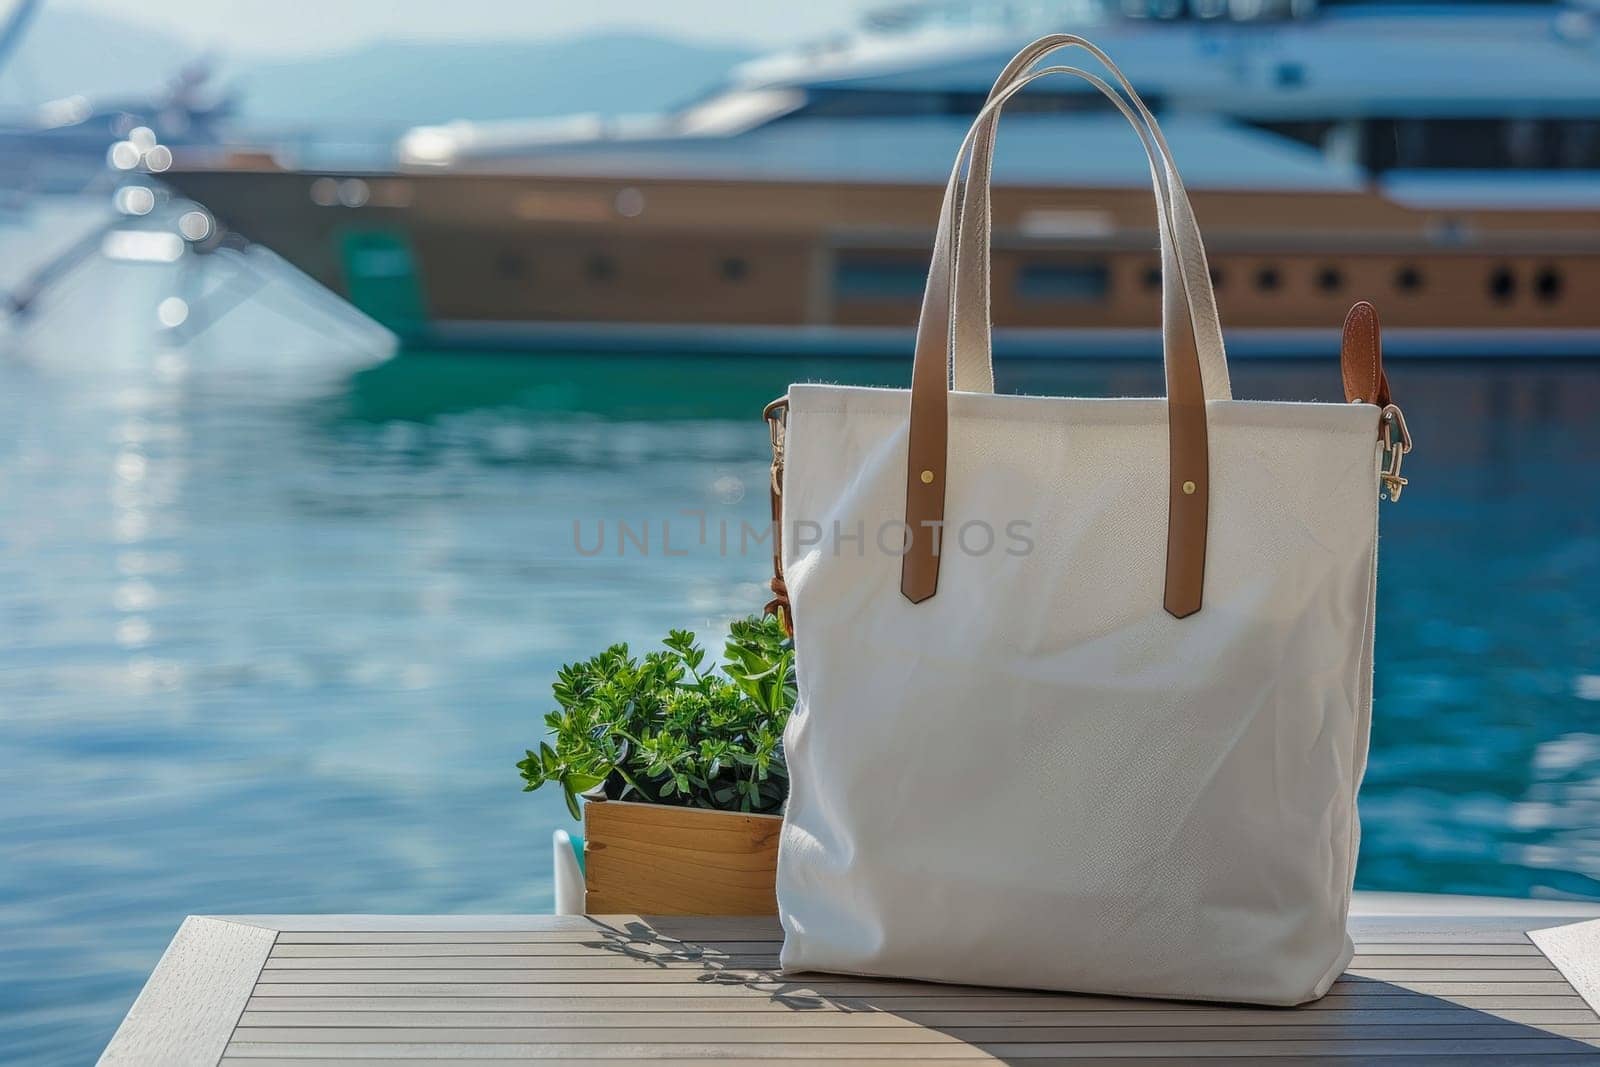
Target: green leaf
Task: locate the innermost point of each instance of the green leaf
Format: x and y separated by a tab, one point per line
574	782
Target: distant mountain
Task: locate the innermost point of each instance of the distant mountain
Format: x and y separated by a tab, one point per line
402	83
382	86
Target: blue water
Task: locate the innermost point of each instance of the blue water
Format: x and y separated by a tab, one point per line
270	652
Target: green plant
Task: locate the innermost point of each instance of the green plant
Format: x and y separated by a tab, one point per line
668	729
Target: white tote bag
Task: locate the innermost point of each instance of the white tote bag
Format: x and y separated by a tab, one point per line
1084	685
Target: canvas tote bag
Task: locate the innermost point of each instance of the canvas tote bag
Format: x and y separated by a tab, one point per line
1103	733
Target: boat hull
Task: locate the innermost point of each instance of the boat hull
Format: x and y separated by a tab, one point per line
527	260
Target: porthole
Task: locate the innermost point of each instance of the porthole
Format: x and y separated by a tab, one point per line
1071	280
1152	278
601	268
1330	279
734	269
1408	280
1268	279
1218	276
1502	285
1548	284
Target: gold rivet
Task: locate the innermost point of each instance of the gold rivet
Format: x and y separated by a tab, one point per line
927	477
1188	489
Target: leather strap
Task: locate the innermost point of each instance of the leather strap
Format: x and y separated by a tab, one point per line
1361	357
1188	455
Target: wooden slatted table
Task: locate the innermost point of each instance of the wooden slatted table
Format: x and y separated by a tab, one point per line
254	991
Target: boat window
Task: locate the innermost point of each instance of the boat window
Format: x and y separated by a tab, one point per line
1580	144
1547	285
1152	277
1495	143
878	103
1408	280
734	268
1502	285
1063	281
1330	279
510	265
865	277
1484	144
1268	279
601	268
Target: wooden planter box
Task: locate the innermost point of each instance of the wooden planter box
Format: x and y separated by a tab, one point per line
652	859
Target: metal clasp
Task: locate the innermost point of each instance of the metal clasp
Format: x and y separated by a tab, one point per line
776	414
1396	440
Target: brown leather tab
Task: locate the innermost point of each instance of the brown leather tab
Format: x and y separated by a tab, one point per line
1188	481
928	434
1361	357
927	445
779	604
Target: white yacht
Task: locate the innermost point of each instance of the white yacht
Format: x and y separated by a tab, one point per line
1439	159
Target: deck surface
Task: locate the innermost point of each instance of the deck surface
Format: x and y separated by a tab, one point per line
307	990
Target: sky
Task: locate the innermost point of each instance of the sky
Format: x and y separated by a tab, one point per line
260	27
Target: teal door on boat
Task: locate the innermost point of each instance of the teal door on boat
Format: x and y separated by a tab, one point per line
381	278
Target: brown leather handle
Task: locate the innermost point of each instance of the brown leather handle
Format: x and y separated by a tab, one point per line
928	435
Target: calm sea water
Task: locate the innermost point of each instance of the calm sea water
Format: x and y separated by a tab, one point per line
269	652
